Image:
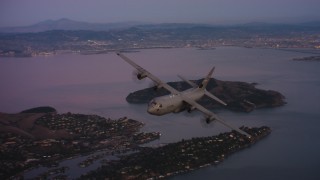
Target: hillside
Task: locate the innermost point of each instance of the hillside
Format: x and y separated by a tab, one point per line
69	36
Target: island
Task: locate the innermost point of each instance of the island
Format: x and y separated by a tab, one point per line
240	96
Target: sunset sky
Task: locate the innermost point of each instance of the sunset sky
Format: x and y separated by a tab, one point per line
27	12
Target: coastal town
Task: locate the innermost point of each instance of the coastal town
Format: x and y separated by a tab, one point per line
202	37
55	137
178	158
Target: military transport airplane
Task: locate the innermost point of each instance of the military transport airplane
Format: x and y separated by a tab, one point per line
179	101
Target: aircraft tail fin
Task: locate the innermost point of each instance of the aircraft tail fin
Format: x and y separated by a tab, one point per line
204	84
206	80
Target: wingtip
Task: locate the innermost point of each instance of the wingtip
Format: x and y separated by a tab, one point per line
213	68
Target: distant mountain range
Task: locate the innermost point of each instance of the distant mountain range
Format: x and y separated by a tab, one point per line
67	24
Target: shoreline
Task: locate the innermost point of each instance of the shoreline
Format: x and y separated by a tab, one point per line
134	50
57	137
116	144
180	157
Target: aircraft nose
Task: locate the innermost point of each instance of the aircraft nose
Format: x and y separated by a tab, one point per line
150	110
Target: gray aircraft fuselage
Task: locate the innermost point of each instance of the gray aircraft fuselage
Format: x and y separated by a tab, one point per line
173	103
179	101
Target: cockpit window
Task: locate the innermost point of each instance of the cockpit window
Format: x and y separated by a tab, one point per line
152	103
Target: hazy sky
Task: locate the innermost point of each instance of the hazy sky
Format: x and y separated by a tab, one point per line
27	12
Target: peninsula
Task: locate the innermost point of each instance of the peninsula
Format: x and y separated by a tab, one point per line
42	137
34	138
178	158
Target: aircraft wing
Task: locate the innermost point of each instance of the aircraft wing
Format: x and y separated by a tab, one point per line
211	115
189	101
146	73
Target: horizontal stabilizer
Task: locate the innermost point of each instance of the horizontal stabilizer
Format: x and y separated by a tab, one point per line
188	81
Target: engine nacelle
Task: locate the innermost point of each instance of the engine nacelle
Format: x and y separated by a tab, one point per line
209	119
141	76
190	109
157	87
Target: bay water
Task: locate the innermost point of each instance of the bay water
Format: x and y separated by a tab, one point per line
98	84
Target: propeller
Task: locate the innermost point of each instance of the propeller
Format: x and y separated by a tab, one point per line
188	114
190	109
207	122
138	77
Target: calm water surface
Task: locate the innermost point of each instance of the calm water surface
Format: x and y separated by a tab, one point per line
98	84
